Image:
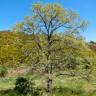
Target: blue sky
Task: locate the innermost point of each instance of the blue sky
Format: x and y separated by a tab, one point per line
13	11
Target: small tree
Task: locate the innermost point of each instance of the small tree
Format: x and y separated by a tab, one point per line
44	24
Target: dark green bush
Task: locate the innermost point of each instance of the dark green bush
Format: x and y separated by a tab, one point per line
26	87
23	85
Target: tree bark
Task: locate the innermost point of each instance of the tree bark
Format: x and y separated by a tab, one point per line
49	85
49	79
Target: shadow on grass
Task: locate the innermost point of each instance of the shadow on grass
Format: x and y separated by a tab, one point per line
61	91
64	91
12	92
4	92
68	91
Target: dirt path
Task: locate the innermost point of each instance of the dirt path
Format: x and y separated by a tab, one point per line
19	71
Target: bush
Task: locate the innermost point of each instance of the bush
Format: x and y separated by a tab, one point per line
3	71
23	85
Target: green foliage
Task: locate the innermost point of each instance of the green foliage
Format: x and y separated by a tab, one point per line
3	71
50	50
63	86
23	85
39	42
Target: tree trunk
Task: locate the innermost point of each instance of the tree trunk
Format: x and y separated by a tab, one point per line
49	79
49	85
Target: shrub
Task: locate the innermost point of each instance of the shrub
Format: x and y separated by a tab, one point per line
23	85
3	71
26	87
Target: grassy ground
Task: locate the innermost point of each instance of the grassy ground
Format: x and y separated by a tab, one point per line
63	86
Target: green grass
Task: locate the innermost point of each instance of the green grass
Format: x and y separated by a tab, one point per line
63	86
7	83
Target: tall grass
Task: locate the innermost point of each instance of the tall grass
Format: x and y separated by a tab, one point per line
63	86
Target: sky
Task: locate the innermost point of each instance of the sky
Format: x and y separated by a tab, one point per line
13	11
